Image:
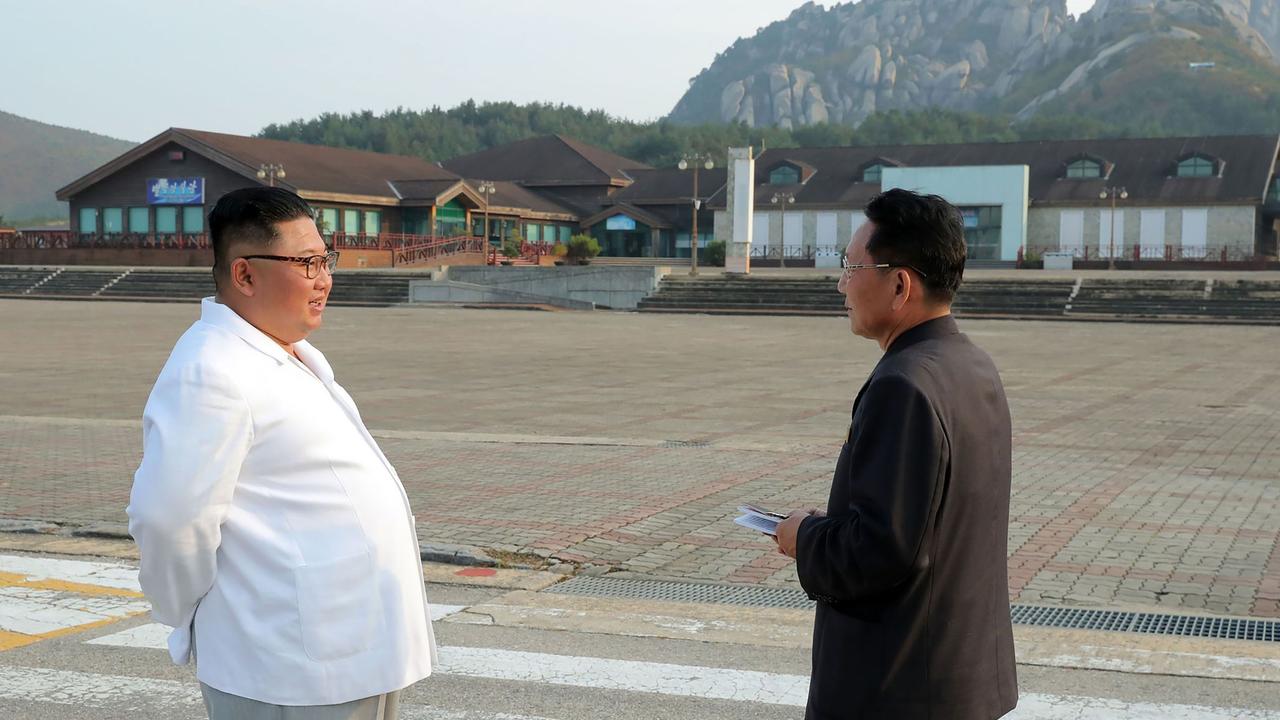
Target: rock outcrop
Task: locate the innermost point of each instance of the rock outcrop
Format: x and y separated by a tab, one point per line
844	63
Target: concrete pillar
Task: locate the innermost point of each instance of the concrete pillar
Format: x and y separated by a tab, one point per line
741	193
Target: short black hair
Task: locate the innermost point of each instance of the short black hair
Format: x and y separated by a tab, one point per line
924	232
249	216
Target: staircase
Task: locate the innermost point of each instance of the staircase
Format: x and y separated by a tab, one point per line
1245	301
18	281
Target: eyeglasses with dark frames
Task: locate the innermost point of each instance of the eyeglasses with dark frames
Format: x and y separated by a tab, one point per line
313	263
850	267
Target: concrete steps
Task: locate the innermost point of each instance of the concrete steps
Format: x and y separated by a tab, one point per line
1254	302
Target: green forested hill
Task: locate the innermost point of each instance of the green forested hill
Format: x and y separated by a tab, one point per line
36	159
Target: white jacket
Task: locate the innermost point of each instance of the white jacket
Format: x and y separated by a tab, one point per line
270	522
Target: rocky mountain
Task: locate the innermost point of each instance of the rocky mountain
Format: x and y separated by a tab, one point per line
1020	57
36	159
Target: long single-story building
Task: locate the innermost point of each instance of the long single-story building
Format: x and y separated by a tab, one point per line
1173	198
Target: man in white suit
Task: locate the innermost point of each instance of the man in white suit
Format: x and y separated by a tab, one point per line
275	537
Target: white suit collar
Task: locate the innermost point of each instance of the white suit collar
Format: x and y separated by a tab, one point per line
220	315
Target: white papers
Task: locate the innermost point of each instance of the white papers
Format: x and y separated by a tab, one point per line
768	526
758	519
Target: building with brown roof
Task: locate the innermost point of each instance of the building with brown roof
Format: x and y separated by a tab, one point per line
1175	198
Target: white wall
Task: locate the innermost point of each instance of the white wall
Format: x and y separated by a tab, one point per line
1005	185
1151	234
1195	232
1104	233
1071	231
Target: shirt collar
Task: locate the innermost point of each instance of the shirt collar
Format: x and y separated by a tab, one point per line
222	316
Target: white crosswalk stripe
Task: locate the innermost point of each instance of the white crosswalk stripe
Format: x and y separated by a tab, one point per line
36	610
109	575
727	684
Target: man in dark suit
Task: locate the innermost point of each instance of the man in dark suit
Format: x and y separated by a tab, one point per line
908	563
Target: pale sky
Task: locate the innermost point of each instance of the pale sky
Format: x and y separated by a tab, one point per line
131	69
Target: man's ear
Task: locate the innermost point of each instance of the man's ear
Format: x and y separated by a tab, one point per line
242	277
902	288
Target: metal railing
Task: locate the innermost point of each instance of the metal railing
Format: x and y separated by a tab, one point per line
1147	253
432	249
63	239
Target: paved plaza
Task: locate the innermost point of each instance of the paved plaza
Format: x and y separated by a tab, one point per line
1146	457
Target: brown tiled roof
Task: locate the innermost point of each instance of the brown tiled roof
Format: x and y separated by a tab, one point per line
644	215
511	195
1143	166
670	185
308	168
323	169
547	160
410	190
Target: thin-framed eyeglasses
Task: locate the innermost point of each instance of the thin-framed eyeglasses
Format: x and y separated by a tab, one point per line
313	263
850	267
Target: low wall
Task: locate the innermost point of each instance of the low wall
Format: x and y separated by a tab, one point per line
621	288
115	257
447	291
361	258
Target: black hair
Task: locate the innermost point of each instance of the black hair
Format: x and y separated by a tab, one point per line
923	232
249	216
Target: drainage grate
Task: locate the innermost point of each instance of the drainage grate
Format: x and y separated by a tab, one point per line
683	592
1149	623
1033	615
686	444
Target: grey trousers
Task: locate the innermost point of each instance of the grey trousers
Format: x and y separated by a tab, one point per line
223	706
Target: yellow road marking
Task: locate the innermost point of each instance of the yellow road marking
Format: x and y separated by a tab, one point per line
13	640
17	580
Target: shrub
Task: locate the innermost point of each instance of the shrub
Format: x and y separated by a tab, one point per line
714	254
583	247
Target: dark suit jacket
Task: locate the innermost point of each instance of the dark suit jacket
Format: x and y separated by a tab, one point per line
909	567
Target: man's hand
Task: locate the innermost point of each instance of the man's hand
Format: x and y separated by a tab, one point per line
789	528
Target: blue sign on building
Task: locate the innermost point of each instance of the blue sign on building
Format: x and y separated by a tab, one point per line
175	191
620	222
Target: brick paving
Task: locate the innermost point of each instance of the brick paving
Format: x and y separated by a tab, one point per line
1146	468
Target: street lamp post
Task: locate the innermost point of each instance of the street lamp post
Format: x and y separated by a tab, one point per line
486	189
1113	192
695	160
270	172
782	200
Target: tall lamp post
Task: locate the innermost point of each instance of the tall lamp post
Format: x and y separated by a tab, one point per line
486	190
270	172
695	160
782	200
1113	192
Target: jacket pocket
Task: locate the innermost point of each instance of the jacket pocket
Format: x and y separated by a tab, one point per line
338	606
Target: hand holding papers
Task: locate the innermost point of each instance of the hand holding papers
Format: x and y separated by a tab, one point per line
759	519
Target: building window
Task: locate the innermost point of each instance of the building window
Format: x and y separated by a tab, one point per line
565	233
531	232
351	222
167	220
328	221
1084	169
1273	193
873	174
193	219
112	221
372	223
548	233
88	221
982	229
451	219
1195	167
139	221
784	175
